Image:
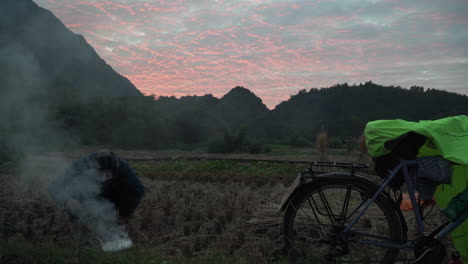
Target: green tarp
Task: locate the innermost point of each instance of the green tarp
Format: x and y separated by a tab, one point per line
447	137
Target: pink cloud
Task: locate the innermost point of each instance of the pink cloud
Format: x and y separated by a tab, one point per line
172	48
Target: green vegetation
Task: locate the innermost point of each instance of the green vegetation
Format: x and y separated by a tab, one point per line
236	143
287	150
220	170
24	252
299	141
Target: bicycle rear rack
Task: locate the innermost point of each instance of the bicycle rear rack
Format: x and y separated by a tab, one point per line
353	167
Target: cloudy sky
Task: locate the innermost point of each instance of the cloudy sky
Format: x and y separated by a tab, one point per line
274	47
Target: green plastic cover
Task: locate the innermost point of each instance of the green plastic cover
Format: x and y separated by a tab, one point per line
447	137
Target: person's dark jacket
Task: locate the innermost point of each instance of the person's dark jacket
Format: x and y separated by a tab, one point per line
82	181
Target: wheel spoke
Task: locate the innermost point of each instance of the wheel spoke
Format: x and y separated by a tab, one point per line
344	210
311	221
319	215
327	206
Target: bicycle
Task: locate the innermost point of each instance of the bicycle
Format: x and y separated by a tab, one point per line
340	217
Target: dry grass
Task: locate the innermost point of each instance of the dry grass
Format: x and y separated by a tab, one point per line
321	140
362	150
192	218
186	218
179	219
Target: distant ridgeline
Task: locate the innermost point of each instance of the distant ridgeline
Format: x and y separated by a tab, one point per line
147	122
55	91
344	110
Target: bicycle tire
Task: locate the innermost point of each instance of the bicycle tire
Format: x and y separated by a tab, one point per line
298	250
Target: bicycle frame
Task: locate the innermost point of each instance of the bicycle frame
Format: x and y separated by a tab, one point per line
439	234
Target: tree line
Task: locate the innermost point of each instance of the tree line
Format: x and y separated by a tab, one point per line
237	122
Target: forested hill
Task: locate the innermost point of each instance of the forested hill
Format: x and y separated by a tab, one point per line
344	110
40	55
44	69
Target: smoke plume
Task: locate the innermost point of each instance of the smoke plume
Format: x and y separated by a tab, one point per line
30	135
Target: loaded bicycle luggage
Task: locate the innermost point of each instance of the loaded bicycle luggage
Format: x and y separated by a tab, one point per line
440	148
339	216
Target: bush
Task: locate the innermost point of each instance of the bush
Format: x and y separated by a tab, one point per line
219	146
336	142
258	148
352	144
299	141
238	143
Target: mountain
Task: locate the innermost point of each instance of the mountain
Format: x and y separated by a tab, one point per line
344	110
241	107
43	58
205	117
47	74
243	100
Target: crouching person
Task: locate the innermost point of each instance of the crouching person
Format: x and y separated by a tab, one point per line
100	191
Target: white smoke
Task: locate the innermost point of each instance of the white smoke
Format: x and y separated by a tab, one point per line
29	132
97	214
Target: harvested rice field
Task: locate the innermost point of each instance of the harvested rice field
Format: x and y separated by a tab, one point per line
196	209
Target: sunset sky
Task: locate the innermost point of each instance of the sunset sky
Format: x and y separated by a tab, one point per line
274	48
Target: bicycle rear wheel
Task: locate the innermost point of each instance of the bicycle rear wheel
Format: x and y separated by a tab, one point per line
317	214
